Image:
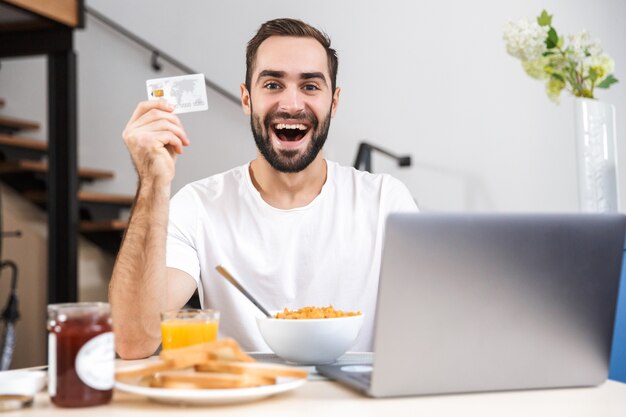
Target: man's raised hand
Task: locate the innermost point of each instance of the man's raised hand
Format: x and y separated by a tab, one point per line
154	136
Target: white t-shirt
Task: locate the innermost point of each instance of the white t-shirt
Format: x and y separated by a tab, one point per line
326	253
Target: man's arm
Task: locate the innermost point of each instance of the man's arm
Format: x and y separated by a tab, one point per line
141	286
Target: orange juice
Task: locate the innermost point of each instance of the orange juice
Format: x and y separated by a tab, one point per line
188	327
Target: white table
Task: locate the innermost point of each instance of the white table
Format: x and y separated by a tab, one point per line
329	399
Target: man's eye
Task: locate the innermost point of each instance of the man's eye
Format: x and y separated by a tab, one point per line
310	87
272	86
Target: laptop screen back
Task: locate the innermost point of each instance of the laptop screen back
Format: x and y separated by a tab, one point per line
484	302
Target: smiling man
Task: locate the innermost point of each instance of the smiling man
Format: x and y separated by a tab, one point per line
296	229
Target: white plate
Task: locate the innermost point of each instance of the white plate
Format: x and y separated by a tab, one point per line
211	396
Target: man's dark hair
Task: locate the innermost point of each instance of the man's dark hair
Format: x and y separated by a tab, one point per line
290	27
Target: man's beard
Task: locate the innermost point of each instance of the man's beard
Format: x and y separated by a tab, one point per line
288	160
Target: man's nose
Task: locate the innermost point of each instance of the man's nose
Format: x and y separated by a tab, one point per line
292	100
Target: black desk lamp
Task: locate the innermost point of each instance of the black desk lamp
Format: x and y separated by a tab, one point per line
364	157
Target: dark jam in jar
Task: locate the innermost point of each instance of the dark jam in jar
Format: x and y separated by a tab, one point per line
81	356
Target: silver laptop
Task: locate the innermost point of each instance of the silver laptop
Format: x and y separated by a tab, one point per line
486	302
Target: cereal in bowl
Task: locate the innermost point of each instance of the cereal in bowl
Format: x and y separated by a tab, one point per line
315	313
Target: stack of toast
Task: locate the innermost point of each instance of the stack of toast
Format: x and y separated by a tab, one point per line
214	365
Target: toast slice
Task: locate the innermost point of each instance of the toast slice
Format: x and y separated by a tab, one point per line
248	368
223	349
205	380
143	370
187	357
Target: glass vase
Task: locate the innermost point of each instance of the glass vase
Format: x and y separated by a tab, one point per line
596	155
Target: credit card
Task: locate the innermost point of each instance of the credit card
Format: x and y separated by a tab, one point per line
186	93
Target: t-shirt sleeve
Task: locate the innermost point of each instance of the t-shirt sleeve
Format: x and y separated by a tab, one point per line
181	247
398	198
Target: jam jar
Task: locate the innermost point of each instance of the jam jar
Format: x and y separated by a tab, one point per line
81	354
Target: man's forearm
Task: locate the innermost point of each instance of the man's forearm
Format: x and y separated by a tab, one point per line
138	288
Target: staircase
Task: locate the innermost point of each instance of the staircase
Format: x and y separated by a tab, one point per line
24	167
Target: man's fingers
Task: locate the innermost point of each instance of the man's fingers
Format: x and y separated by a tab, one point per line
156	115
166	125
177	130
145	106
147	140
154	121
170	140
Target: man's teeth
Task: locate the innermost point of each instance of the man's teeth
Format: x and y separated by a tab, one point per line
290	126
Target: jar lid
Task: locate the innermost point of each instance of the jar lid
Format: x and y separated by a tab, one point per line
79	309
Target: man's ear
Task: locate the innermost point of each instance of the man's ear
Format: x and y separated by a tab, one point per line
335	102
245	99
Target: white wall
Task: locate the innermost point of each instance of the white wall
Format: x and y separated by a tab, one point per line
427	78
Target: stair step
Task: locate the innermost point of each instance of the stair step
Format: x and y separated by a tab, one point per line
92	197
12	124
85	197
114	225
23	143
27	165
107	234
18	147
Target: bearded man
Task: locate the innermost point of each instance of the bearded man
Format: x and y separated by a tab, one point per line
296	229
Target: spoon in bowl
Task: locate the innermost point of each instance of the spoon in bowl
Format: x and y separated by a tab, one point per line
241	289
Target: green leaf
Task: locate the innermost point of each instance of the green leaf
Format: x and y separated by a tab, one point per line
557	76
607	82
548	53
560	43
553	39
544	19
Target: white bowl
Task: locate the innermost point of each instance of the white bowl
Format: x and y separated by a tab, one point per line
310	341
22	382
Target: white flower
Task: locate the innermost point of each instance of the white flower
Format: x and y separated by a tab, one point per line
537	68
525	39
582	46
602	64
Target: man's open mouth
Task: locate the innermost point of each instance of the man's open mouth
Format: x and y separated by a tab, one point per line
290	132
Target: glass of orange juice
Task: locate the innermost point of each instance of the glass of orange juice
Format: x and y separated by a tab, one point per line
187	327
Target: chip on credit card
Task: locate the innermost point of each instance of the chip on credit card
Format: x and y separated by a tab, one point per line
185	93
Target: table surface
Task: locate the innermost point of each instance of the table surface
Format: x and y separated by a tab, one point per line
320	397
326	398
